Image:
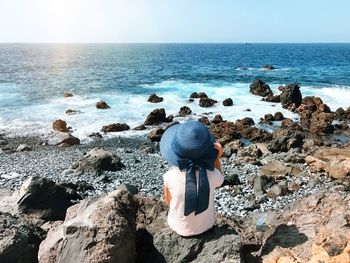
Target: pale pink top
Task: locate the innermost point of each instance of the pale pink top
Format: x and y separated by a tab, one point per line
192	224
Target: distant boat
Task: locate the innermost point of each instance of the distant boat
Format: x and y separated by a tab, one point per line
247	43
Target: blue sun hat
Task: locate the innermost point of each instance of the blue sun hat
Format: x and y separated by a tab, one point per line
190	146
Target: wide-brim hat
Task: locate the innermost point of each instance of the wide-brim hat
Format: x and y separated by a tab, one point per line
188	141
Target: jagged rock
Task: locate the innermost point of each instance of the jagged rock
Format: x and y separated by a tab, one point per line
272	98
231	179
131	189
184	111
95	135
217	119
336	162
156	134
155	117
194	95
204	120
245	122
140	127
23	148
255	134
102	105
202	95
260	88
72	112
249	154
206	102
115	127
96	161
261	184
19	241
291	95
283	140
268	67
44	199
153	98
60	125
321	123
291	125
227	102
278	116
63	139
231	148
95	230
268	118
67	94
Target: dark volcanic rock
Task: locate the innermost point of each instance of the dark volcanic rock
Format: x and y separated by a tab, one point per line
283	140
206	102
140	127
204	120
96	161
291	95
102	105
44	199
194	95
268	67
202	95
60	125
245	122
155	117
217	119
260	88
184	111
67	94
273	98
156	134
153	98
291	125
227	102
115	127
278	116
19	241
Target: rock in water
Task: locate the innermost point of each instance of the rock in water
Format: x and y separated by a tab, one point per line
206	102
268	67
184	111
102	105
72	112
97	230
44	199
194	95
217	119
96	161
260	88
67	94
19	241
115	127
227	102
156	134
291	95
60	125
153	98
155	117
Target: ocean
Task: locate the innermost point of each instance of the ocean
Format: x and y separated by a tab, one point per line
33	78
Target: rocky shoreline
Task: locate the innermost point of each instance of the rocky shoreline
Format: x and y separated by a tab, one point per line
270	180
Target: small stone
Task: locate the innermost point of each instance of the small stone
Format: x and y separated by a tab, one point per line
23	148
102	105
67	94
227	102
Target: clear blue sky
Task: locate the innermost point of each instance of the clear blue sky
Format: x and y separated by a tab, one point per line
174	21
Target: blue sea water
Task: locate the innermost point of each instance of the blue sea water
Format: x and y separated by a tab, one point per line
33	78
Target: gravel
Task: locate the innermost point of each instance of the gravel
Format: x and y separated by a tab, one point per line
143	170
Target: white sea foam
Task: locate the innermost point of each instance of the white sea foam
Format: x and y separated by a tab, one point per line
133	108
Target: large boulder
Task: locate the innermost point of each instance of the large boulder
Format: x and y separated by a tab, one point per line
155	117
115	127
291	95
260	88
284	139
95	230
44	199
19	241
63	138
96	161
336	162
60	126
153	98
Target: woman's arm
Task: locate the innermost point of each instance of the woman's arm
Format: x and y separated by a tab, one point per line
217	164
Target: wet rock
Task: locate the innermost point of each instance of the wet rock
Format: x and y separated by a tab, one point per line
217	119
260	88
268	67
336	162
171	124
44	199
206	102
96	161
291	95
291	125
75	240
283	140
184	111
245	122
63	139
204	120
140	127
228	130
60	125
19	241
249	154
95	135
115	127
169	118
255	134
131	189
67	94
278	116
227	102
102	105
153	98
23	148
202	95
72	112
156	134
155	117
272	98
194	95
268	118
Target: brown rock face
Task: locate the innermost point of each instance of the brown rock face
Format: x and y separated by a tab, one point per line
284	139
153	98
204	120
194	95
155	117
110	220
206	102
102	105
202	95
291	95
260	88
336	162
184	111
217	119
156	134
60	125
273	98
227	102
72	112
115	127
315	115
67	94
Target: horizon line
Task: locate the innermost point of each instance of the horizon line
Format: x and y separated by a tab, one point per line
128	43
